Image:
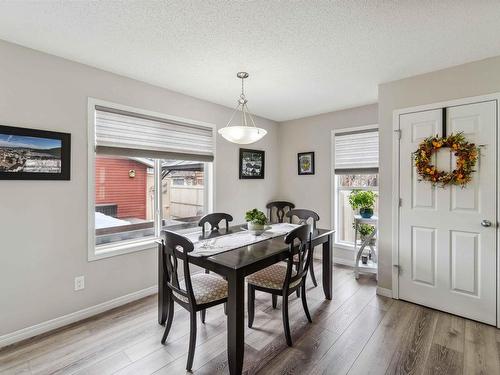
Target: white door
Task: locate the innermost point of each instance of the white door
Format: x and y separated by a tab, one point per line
447	257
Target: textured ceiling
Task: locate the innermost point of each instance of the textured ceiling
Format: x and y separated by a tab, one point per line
304	57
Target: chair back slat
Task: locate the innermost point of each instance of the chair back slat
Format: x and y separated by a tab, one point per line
280	208
214	220
175	247
299	241
303	216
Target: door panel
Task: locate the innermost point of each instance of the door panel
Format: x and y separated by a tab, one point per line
423	195
447	259
423	252
464	262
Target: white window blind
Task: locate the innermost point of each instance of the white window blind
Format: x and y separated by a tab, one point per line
130	134
356	152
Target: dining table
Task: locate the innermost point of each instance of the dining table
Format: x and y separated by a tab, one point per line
234	264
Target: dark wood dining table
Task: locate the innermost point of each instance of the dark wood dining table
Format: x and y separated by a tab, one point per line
235	265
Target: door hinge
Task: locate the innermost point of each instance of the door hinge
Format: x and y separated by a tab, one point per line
398	133
400	202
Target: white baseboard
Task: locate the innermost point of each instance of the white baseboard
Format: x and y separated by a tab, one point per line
49	325
344	262
384	292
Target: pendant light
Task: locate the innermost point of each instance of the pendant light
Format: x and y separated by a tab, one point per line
247	132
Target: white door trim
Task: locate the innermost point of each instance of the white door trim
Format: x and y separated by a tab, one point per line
395	181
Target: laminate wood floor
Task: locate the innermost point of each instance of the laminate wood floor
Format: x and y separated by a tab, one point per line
357	332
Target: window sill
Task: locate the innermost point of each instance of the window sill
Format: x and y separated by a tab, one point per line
111	250
343	246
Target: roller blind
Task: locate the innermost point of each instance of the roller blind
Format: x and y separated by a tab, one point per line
356	152
130	134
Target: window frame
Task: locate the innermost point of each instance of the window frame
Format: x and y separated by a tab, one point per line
125	247
334	188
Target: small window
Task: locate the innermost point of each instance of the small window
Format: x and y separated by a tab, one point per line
356	167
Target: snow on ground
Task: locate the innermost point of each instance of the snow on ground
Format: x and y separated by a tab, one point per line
105	221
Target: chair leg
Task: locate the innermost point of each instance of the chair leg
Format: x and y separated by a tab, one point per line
313	276
298	289
203	313
275	300
304	301
251	305
192	341
286	323
168	325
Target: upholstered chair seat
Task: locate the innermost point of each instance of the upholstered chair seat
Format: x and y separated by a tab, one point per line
206	288
271	277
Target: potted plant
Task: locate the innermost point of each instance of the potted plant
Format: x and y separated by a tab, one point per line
364	200
256	220
364	230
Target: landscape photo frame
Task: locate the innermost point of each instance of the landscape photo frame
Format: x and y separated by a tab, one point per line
33	154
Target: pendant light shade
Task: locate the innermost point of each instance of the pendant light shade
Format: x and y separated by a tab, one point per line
242	135
247	132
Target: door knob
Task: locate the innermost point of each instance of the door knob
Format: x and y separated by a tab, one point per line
486	223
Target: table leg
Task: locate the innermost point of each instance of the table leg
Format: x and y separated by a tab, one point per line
327	267
236	322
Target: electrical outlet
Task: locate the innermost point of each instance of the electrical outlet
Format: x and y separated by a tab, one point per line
79	283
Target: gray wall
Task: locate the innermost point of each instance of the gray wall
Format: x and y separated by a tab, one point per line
476	78
314	134
43	224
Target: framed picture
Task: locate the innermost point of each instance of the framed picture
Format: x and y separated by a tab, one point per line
305	162
30	154
252	163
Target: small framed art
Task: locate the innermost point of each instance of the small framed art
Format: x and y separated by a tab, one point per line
305	163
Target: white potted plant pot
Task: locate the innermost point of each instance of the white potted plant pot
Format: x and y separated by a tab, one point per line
254	226
256	229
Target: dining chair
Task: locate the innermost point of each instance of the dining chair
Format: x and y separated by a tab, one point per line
214	219
303	216
195	292
281	280
281	208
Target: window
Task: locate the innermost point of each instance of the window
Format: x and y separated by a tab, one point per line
356	167
150	173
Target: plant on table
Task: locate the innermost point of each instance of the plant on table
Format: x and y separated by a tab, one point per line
364	200
256	219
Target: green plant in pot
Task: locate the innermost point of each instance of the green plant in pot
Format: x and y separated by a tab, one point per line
256	220
364	230
364	200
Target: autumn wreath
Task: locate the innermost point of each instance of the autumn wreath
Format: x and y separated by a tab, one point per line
466	158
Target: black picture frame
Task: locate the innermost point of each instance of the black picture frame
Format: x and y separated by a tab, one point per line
255	164
300	168
65	153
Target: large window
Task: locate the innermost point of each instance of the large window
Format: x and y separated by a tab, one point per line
356	167
150	173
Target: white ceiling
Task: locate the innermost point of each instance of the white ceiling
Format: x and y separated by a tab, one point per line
304	57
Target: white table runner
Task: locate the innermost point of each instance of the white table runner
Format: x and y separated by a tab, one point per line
232	241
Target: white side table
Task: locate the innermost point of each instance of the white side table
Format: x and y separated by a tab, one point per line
372	264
